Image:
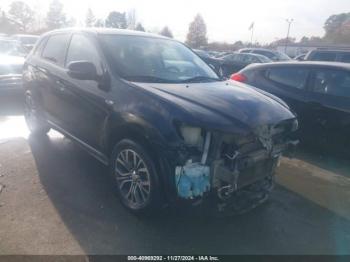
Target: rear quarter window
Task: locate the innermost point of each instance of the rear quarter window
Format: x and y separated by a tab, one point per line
290	77
55	48
332	82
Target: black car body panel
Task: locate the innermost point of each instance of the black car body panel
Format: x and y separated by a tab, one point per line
97	114
324	116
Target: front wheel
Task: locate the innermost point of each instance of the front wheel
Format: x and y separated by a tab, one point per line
35	122
135	176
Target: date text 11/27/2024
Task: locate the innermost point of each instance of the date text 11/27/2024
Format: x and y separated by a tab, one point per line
173	258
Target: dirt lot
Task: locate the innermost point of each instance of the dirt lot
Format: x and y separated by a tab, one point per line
55	199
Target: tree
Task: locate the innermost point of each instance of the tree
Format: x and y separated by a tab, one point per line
139	27
284	41
90	18
337	29
7	25
99	23
22	14
197	33
116	20
166	32
311	40
55	17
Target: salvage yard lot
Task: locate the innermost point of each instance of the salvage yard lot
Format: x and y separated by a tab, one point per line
56	199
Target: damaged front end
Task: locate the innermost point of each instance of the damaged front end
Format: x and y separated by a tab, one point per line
237	170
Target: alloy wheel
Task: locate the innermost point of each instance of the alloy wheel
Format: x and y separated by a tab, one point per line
133	178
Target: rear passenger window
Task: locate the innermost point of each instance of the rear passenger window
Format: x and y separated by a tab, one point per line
324	56
332	82
55	49
291	77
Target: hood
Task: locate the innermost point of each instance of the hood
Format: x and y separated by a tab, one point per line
237	103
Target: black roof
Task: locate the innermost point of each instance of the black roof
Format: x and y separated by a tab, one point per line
257	48
337	65
331	50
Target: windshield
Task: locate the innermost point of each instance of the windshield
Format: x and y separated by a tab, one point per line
282	57
264	59
149	59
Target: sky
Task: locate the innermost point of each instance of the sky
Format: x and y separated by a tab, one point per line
227	20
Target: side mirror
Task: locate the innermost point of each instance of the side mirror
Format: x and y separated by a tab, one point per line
82	70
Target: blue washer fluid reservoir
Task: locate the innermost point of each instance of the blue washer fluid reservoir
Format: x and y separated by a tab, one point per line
192	180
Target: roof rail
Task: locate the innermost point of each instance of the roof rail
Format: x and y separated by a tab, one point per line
335	48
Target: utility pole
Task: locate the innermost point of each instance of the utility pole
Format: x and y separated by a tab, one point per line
251	28
289	21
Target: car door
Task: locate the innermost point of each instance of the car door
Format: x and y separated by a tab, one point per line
50	72
288	83
331	96
88	105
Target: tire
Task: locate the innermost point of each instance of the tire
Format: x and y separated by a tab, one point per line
135	177
36	123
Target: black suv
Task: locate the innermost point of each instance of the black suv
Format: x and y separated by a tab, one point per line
158	115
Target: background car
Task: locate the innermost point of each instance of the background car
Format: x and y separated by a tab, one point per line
27	41
271	54
328	55
319	92
300	57
12	48
234	62
11	77
215	63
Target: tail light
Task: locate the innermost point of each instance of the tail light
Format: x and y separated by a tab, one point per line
238	77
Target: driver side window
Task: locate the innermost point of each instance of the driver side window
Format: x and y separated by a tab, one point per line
82	49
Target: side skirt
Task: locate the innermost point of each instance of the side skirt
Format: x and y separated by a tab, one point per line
92	151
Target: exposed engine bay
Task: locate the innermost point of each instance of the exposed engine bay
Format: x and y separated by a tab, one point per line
227	164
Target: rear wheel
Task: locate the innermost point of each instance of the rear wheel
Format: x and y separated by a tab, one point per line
35	121
135	176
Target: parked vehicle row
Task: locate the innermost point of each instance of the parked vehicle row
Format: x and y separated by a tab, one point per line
230	63
271	54
169	128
